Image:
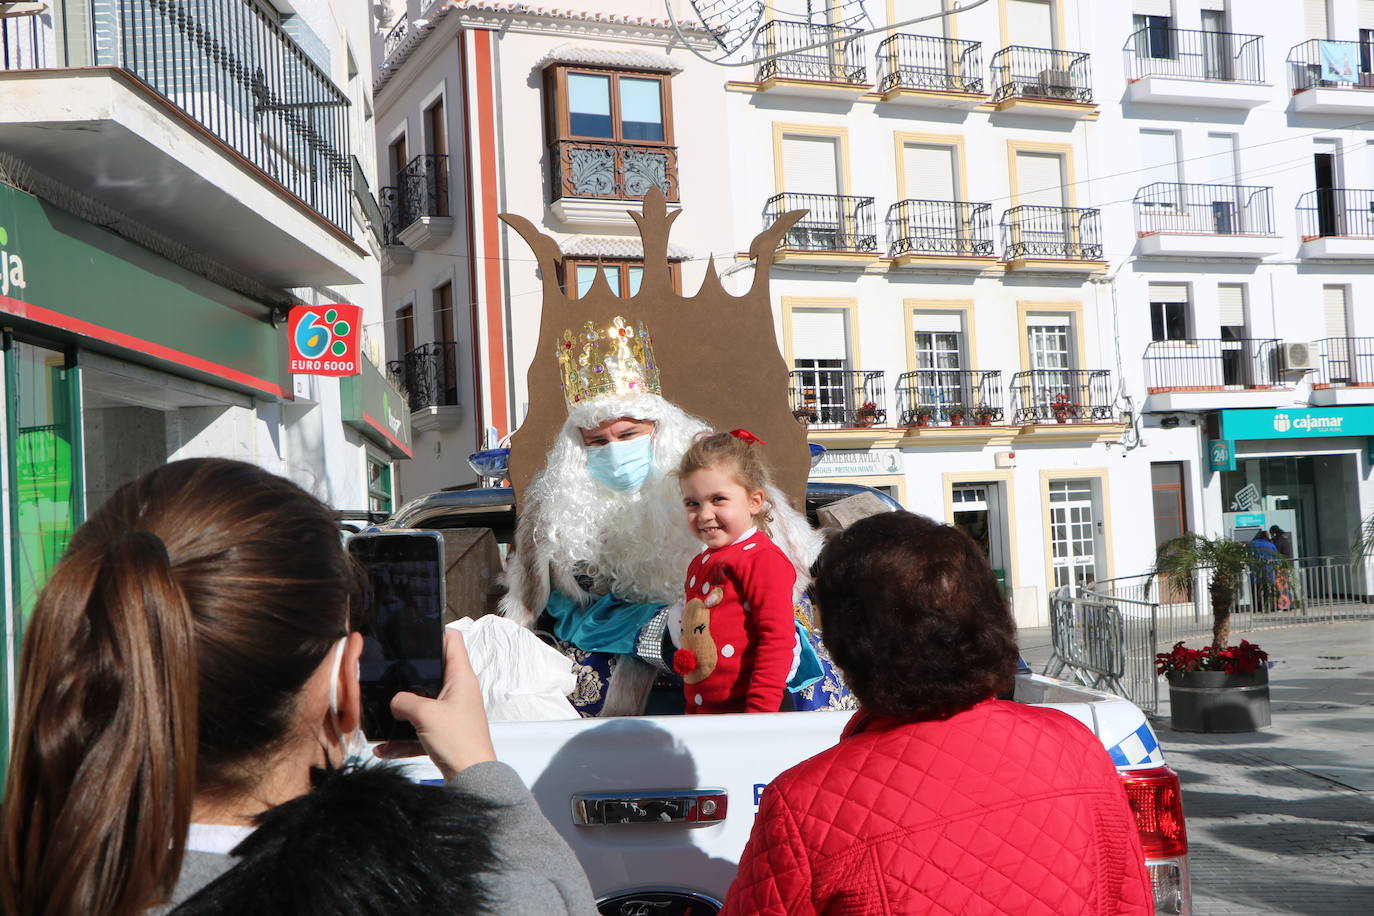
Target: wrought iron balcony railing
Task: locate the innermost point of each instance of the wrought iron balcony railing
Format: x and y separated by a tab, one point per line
389	200
834	222
1195	55
428	375
940	227
25	43
423	188
839	59
1346	362
1347	65
1211	364
1204	209
1062	396
1055	233
1336	212
950	397
930	63
838	398
233	70
1041	73
395	35
617	171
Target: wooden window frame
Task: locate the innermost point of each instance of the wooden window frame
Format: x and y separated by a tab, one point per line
622	265
559	119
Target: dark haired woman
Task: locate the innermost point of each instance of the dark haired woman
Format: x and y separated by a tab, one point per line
188	683
939	798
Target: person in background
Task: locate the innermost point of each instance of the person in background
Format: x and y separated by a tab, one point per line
188	691
1282	542
938	798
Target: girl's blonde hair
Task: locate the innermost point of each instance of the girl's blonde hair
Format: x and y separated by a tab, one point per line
737	456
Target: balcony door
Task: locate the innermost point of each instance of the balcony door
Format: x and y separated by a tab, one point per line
1335	310
935	221
436	145
811	174
1030	23
939	350
446	362
1238	357
1154	30
1217	53
1049	344
1326	169
1227	206
1045	230
820	355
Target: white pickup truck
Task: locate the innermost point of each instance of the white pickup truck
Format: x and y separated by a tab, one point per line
658	808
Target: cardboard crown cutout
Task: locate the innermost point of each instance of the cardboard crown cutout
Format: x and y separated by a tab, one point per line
716	354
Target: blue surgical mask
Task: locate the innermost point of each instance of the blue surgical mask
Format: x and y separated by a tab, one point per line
622	465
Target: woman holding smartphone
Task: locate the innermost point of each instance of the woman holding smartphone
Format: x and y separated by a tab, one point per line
187	693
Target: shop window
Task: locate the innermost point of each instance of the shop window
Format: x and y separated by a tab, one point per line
378	484
611	132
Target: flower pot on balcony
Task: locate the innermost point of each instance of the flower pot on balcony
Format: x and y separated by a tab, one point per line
1061	416
1215	701
985	419
921	422
956	419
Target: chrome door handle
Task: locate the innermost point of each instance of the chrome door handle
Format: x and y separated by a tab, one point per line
694	807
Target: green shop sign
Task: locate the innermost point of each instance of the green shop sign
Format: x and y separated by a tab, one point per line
66	278
1297	423
1221	455
377	409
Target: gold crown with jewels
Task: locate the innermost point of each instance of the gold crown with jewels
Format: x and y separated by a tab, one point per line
601	361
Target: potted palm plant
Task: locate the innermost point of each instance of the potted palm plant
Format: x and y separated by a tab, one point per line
1219	688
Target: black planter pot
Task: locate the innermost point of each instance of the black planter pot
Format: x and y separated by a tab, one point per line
1214	701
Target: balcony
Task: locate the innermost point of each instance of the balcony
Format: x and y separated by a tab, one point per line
1052	240
1345	371
950	397
1042	81
931	72
1202	374
837	230
1205	221
1189	67
429	377
1062	396
838	398
422	216
192	110
940	233
789	65
1332	77
593	179
1337	224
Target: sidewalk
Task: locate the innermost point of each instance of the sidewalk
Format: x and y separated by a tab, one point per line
1281	821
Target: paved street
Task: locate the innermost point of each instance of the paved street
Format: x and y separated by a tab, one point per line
1281	821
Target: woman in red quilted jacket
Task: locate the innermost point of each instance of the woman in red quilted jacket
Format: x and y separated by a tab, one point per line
939	797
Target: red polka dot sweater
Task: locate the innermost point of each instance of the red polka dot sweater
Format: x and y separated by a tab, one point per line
752	627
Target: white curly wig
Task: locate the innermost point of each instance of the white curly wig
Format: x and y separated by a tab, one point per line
633	544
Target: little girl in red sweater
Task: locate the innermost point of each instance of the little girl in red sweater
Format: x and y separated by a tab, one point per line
738	633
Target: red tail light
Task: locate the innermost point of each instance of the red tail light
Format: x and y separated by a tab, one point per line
1158	807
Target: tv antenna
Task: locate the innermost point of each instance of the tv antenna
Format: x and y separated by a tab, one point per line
732	23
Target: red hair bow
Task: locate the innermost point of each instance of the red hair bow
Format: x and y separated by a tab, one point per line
747	436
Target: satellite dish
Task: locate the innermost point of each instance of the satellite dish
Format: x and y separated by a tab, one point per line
732	23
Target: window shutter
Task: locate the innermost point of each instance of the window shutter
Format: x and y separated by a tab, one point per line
1048	320
1152	8
929	172
1168	292
1314	18
819	334
939	322
1231	305
1366	13
1216	6
809	165
1040	179
1333	308
1030	23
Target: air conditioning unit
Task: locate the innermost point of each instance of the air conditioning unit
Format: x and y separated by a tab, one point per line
1298	356
1057	84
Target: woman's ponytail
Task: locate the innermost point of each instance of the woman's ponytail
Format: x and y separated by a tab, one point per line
103	773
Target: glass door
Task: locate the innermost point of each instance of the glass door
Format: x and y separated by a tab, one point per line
939	379
1073	535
